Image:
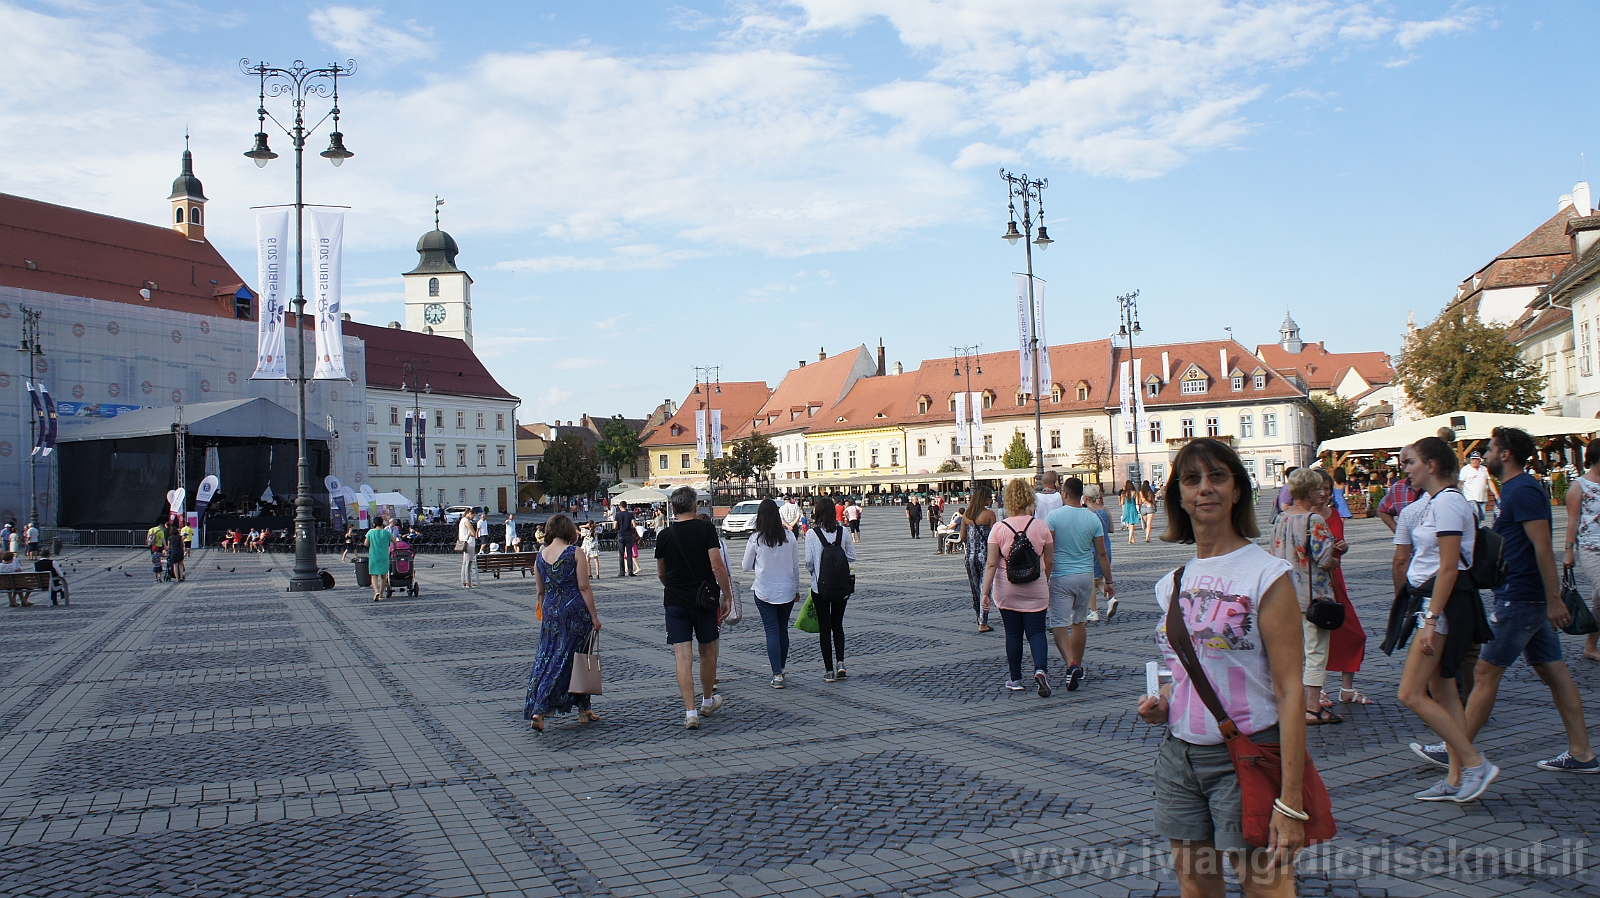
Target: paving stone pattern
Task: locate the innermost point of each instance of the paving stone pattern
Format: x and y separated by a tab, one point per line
226	737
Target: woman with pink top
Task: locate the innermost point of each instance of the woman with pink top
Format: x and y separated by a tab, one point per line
1022	605
1237	604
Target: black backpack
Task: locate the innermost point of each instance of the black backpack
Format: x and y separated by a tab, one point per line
833	569
1022	562
1488	570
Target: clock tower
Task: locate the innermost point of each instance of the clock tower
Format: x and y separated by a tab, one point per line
438	294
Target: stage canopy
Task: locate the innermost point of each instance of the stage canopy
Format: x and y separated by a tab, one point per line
1469	427
116	472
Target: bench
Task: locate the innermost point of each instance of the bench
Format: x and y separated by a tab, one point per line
25	582
495	562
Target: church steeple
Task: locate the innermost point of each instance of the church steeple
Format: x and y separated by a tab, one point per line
438	294
1289	334
188	199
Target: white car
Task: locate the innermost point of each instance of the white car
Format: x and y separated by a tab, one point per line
453	514
741	520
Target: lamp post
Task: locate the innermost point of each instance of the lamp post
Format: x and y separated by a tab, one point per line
969	354
415	381
1030	191
709	378
1128	308
300	84
30	345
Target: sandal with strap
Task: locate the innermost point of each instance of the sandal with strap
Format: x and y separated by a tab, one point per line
1323	716
1356	698
1326	702
537	722
588	717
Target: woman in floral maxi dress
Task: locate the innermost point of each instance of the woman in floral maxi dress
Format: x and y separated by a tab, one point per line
567	605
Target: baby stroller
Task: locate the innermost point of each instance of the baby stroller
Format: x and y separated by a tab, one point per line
402	569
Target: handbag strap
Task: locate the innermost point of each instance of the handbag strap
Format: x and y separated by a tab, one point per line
1183	647
1311	567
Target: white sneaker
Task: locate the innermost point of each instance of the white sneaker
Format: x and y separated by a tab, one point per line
1440	791
778	681
1093	617
838	671
710	706
1014	686
691	720
1111	608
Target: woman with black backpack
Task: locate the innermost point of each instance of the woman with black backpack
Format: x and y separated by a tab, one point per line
829	554
1021	546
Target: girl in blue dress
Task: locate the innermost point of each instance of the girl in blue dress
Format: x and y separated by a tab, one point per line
567	605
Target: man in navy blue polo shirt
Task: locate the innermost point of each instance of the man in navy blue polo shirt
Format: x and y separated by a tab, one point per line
1528	608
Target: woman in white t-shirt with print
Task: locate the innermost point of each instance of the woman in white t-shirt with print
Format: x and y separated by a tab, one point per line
1583	534
1239	607
1446	616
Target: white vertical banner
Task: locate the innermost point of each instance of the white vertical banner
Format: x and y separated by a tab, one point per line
272	241
977	418
1137	388
1045	378
1024	334
961	421
716	433
700	433
327	262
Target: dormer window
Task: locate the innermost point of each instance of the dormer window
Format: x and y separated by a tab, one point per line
1152	388
1261	380
922	405
1083	391
988	399
1022	398
1055	394
1238	382
952	403
1194	385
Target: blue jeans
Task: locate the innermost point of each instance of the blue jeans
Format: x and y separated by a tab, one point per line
775	620
1030	623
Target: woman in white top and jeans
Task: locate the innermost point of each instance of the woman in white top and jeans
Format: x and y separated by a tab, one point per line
829	606
467	535
1583	534
1447	616
1240	610
774	554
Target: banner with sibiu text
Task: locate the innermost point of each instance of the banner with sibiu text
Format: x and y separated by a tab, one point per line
272	241
327	261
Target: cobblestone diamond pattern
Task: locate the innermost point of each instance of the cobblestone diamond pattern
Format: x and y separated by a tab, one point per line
514	676
222	660
217	757
229	634
144	699
819	811
451	624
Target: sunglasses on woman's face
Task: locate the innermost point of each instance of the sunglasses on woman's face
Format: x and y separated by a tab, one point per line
1215	478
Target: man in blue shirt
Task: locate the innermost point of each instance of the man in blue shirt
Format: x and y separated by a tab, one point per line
1080	539
1528	608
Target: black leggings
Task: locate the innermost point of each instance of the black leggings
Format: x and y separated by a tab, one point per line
830	623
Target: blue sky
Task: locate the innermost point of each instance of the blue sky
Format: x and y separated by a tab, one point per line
641	188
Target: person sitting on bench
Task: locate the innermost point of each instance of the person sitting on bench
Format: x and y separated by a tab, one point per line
10	565
58	581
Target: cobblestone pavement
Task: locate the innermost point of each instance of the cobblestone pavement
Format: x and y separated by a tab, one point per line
224	737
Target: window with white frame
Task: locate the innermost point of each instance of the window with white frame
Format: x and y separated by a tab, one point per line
1269	424
1249	466
1237	382
1247	425
952	445
483	495
1260	380
1194	385
1155	430
499	420
483	456
372	415
1055	393
819	461
1055	439
894	456
1584	368
372	455
500	456
1083	392
836	459
394	416
852	459
438	456
461	420
874	461
394	455
922	448
922	405
1213	427
1188	428
461	456
1152	388
988	444
480	420
683	461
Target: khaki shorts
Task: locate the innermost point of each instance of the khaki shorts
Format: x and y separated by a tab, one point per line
1069	599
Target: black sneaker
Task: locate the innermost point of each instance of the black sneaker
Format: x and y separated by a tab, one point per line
1074	677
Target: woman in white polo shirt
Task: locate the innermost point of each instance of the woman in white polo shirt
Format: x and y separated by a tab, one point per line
1446	615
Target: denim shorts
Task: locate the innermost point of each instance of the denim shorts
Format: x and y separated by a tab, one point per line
1521	628
684	624
1197	792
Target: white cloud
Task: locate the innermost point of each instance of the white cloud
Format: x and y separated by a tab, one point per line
358	32
632	257
1410	34
609	323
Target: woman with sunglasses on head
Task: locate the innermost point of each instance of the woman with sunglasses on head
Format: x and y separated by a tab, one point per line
1238	605
1301	536
1445	615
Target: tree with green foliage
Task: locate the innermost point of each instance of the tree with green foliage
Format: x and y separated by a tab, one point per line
950	466
720	470
752	457
1335	417
1018	455
1458	363
619	445
569	468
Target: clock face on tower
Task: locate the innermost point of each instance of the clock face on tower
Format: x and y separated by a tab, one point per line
433	313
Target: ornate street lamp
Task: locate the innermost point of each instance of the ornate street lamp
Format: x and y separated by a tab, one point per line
300	84
1030	191
1128	308
969	354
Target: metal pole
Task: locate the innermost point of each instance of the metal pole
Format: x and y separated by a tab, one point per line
306	576
1033	346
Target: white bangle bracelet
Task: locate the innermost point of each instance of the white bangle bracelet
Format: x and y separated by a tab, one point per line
1291	813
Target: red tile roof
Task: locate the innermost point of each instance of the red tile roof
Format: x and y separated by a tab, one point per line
739	402
817	384
78	253
1207	356
1321	369
451	365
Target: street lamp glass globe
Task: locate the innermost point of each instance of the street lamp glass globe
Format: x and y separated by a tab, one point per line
1012	235
261	153
1043	241
336	153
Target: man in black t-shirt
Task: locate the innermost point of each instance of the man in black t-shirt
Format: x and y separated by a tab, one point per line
688	556
626	537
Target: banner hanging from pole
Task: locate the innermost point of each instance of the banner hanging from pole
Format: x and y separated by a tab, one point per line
411	460
977	418
961	421
272	239
716	433
1137	387
327	282
1124	375
422	441
38	418
700	433
1024	334
1045	378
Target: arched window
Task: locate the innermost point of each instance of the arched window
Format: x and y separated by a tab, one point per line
194	215
433	286
177	215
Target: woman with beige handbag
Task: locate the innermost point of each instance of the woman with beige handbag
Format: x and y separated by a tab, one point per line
569	621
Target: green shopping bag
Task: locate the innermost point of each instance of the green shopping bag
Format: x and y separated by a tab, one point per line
807	620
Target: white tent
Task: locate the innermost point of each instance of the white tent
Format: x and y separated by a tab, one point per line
1468	427
398	500
641	496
